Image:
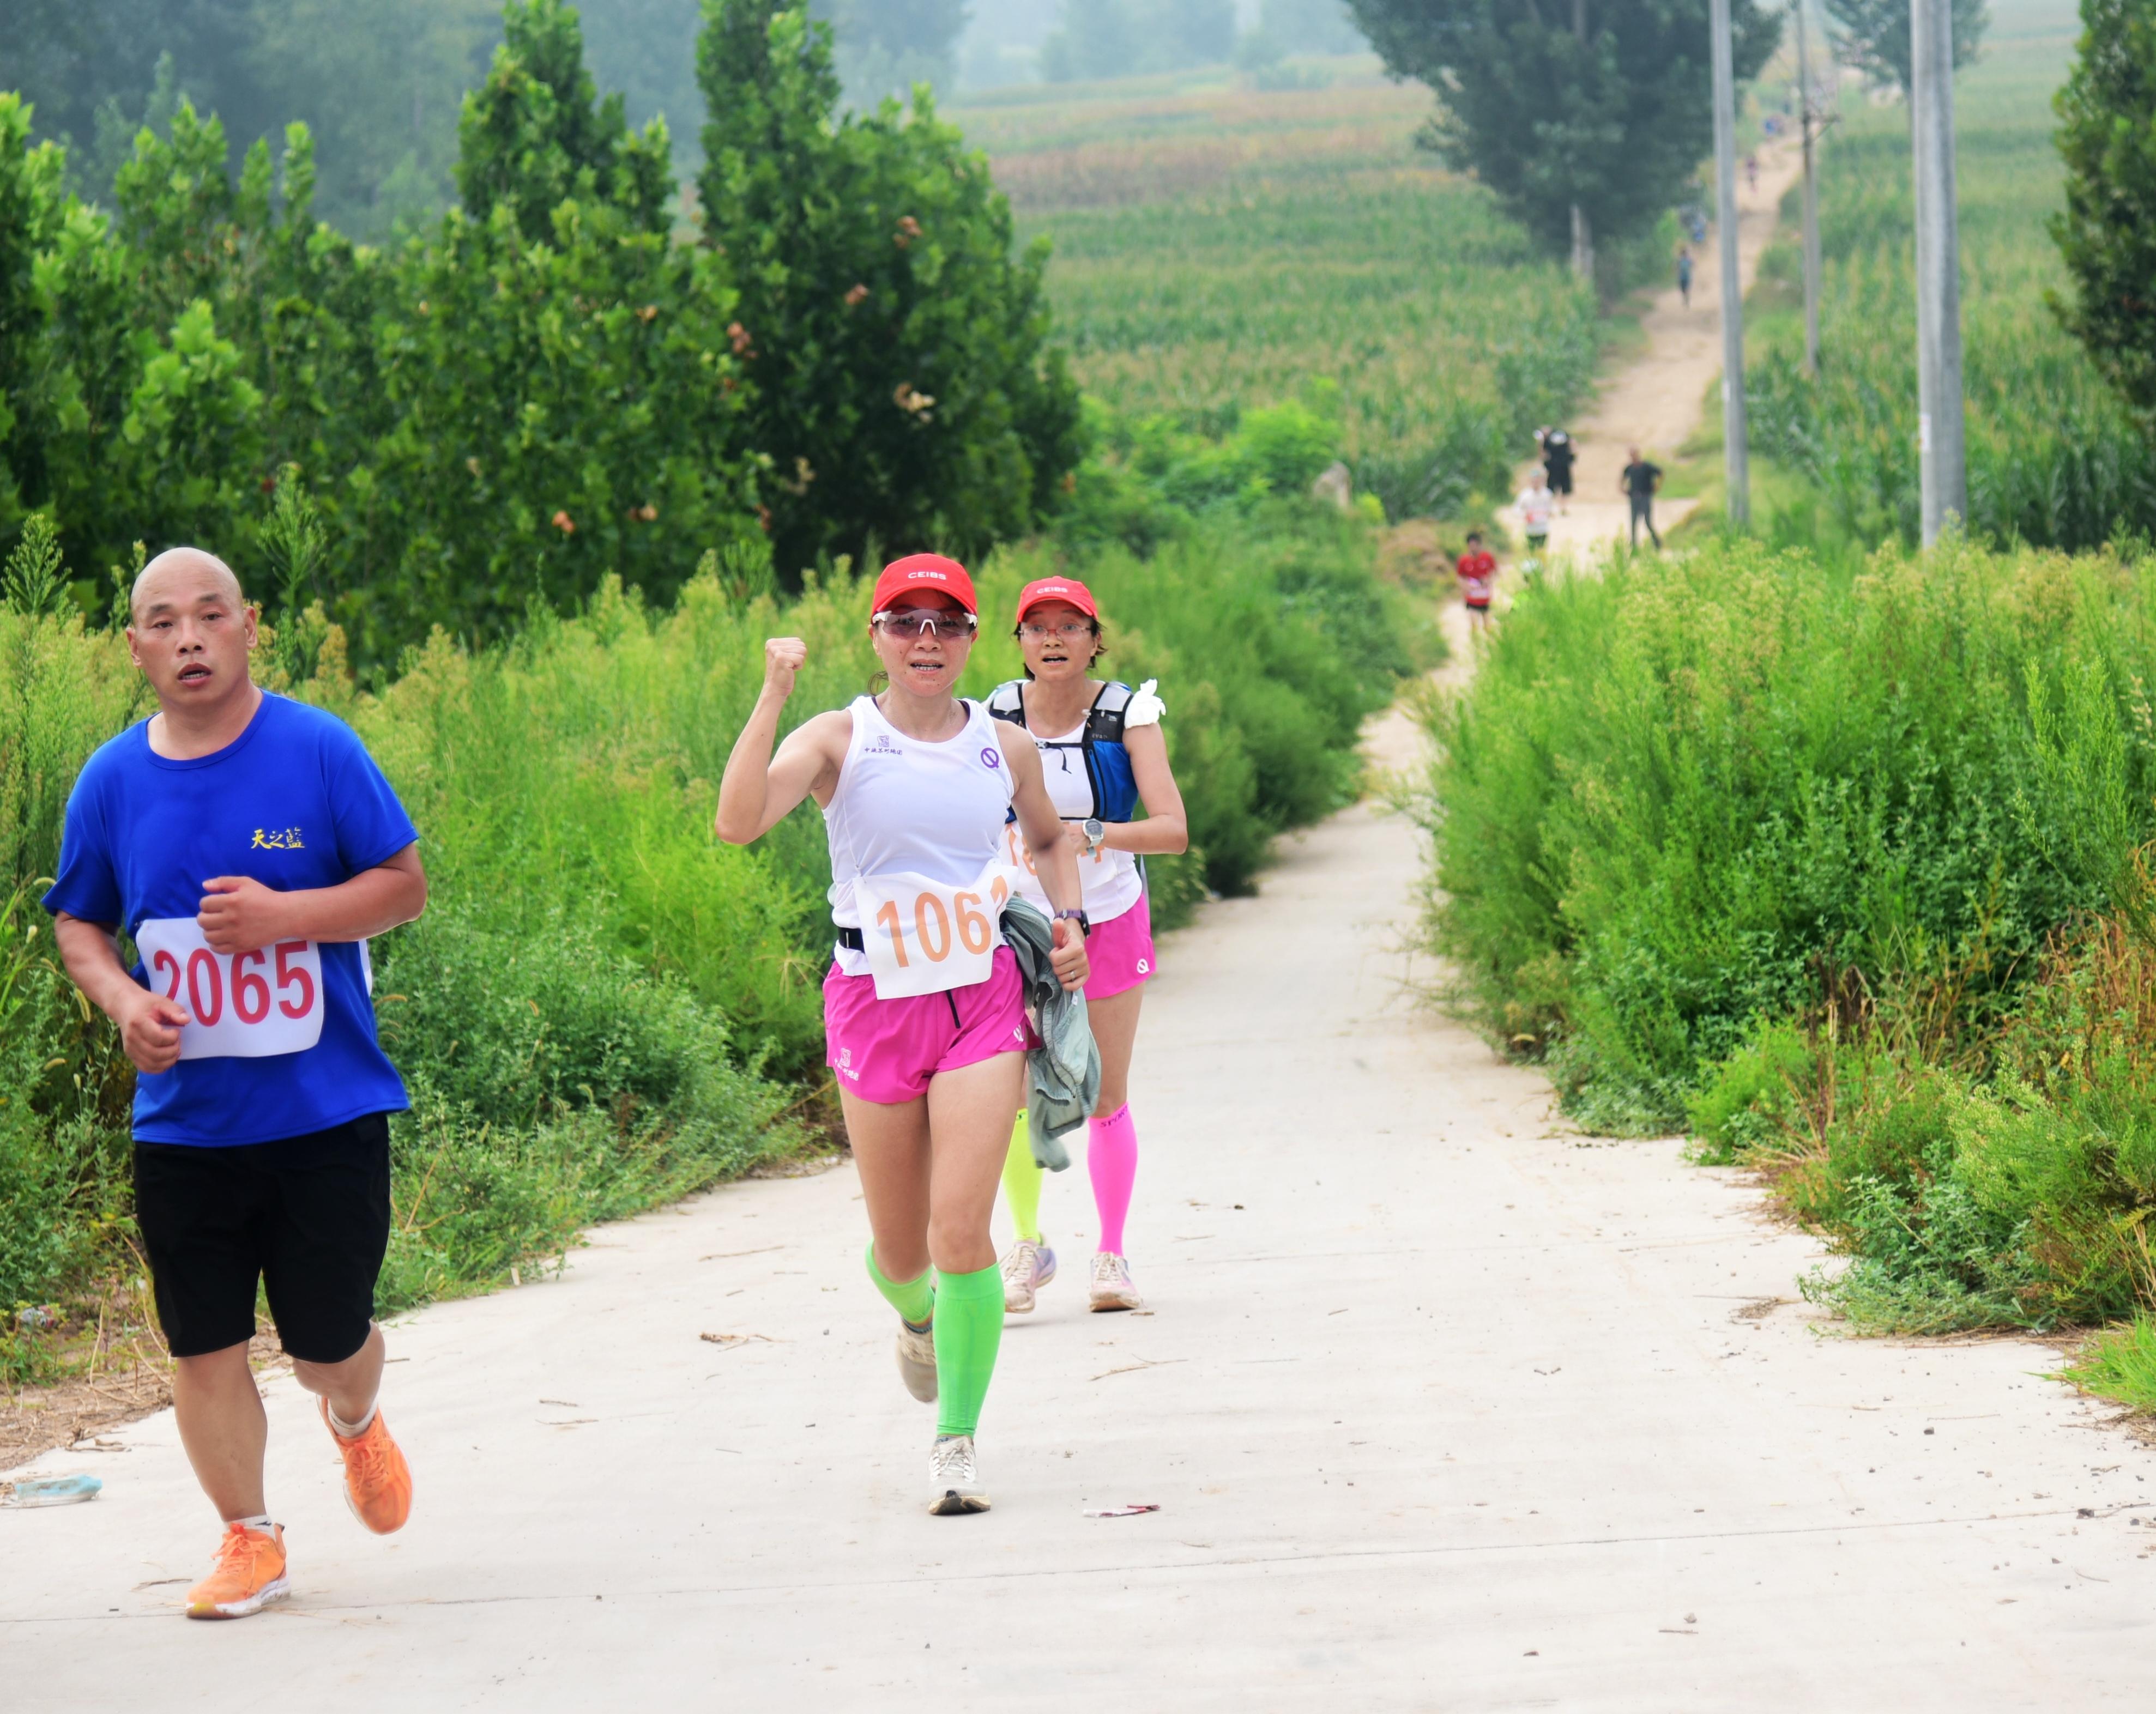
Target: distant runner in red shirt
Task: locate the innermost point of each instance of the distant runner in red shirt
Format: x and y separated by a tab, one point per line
1478	576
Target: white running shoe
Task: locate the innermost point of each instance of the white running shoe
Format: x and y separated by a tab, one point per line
916	1361
954	1483
1111	1287
1028	1268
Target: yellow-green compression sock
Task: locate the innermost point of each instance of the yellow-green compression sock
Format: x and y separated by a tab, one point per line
1022	1183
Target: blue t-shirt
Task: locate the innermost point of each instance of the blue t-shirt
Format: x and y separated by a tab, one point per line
287	1044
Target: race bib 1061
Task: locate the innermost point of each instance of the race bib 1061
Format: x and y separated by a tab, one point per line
241	1005
925	937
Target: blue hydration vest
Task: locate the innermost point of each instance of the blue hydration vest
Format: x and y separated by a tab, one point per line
1100	742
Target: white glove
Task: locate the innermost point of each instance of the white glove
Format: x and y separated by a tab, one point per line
1144	709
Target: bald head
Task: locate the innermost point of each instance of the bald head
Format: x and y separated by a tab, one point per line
178	579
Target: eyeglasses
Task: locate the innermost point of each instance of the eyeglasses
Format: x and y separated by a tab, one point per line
914	621
1069	631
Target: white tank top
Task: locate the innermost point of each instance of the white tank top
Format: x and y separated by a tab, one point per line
903	806
1108	882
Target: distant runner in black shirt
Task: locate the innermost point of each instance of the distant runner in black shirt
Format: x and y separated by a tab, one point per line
1641	479
1557	460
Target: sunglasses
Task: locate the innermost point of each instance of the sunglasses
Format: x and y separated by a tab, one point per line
948	626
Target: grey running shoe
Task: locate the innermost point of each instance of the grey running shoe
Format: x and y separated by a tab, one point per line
1111	1287
954	1484
1028	1268
916	1361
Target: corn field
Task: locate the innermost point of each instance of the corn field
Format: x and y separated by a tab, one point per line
2053	460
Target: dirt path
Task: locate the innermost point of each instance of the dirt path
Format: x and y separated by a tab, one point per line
1657	400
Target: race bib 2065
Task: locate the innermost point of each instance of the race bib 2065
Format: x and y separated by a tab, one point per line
241	1005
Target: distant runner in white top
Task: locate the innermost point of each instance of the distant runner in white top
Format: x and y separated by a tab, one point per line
1102	755
923	1008
1536	503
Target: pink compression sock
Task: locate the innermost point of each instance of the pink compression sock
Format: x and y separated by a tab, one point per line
1111	1161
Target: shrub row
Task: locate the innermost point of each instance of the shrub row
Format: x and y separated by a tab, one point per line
1836	865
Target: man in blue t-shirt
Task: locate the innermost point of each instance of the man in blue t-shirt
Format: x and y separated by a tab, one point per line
248	846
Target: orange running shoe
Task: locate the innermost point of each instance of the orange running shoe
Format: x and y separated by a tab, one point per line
377	1482
250	1574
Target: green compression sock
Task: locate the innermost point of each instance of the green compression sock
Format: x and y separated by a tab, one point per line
1022	1179
914	1299
969	1326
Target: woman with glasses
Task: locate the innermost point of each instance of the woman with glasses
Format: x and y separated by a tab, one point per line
922	1009
1103	754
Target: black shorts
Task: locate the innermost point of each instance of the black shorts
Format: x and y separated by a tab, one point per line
308	1216
1560	481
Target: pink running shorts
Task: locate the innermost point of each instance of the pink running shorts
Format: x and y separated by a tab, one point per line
1119	952
887	1050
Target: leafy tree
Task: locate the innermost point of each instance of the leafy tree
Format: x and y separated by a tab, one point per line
1873	36
175	346
904	392
544	388
536	134
1600	107
562	399
2106	233
28	212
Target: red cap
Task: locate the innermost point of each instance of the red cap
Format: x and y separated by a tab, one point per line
925	571
1068	589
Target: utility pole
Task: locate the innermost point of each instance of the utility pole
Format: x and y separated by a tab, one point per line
1939	268
1736	465
1811	193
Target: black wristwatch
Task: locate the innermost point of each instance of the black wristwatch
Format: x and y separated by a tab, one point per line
1085	923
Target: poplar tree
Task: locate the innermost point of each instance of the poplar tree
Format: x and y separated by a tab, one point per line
1598	106
2106	234
1873	36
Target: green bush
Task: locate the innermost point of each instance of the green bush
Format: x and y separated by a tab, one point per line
1844	870
1690	795
554	1083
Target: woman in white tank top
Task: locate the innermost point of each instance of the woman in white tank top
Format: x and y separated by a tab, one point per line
1099	771
923	1010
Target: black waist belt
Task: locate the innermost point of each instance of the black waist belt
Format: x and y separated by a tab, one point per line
850	939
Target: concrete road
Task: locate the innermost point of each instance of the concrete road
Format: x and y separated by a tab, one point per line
1444	1407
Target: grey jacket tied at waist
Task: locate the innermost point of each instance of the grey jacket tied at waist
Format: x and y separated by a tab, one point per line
1063	1074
